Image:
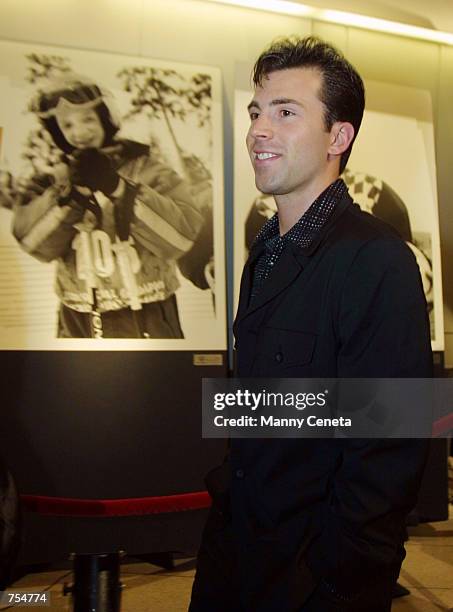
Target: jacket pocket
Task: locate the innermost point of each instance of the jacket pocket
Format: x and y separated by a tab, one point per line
286	347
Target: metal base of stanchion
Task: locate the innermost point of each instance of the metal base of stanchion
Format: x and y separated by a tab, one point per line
96	586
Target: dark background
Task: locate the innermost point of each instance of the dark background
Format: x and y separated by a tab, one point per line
106	425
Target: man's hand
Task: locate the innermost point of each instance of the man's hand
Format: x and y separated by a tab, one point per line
92	169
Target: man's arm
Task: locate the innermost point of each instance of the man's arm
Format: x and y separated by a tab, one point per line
383	333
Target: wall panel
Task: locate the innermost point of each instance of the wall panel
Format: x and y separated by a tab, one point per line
108	25
394	59
335	34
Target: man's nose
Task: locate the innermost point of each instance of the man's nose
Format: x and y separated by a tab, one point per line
262	127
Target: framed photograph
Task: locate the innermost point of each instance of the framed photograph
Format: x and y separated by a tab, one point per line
111	202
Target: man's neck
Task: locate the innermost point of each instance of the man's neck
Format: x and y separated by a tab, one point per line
292	206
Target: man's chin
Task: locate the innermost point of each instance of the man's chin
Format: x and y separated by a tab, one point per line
264	187
269	189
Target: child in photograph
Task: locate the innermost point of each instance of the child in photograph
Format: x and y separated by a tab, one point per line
114	219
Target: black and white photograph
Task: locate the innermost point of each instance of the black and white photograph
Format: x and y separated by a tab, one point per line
391	178
111	220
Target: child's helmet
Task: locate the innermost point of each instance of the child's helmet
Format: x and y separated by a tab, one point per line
73	91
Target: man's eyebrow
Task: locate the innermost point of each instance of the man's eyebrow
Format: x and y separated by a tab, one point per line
279	101
275	102
253	104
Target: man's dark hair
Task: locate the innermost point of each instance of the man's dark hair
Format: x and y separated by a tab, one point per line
342	91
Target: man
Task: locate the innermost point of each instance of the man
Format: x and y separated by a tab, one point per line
328	291
113	218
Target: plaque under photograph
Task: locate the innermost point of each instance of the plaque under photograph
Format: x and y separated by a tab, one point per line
111	202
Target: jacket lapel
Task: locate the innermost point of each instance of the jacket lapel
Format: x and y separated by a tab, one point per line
287	268
246	281
289	265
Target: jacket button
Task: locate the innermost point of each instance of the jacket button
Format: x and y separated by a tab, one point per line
278	357
240	473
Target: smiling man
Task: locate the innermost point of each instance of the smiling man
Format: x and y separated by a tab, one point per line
315	525
288	137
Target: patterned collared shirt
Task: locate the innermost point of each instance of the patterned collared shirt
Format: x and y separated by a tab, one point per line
302	233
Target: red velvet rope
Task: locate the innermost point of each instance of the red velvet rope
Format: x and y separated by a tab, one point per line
66	506
443	425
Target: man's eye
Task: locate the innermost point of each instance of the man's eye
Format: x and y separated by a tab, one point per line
286	113
254	116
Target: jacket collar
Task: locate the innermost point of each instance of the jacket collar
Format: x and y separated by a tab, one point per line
343	204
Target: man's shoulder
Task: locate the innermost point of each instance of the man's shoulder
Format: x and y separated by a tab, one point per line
355	222
359	236
370	244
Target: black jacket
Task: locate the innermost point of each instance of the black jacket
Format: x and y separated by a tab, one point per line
351	305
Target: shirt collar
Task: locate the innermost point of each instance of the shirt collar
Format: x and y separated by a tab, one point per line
308	226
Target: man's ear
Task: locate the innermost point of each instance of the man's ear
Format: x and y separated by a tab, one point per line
341	136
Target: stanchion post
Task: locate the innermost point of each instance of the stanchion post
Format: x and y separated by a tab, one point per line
96	586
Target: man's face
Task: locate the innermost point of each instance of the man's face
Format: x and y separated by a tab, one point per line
82	128
287	139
